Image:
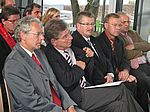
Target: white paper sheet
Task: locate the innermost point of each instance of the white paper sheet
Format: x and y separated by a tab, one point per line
105	85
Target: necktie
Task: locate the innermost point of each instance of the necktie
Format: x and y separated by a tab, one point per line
36	60
89	42
91	45
55	97
68	58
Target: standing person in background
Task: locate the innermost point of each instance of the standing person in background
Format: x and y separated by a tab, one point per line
31	82
51	13
34	10
111	45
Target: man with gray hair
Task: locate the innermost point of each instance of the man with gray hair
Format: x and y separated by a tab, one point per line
30	79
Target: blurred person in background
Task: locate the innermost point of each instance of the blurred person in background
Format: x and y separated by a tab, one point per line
9	16
51	13
34	10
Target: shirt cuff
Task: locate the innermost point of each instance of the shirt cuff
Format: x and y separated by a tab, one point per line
111	74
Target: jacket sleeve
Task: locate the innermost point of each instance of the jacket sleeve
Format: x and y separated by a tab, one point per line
139	43
66	75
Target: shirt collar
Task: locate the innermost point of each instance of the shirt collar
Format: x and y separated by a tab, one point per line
86	38
28	52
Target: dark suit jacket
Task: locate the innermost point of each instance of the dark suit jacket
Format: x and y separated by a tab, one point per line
4	51
117	58
102	66
68	76
29	84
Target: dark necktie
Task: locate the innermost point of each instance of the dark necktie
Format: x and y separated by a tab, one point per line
91	45
89	42
55	97
68	58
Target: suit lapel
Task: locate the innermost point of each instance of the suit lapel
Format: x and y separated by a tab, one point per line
28	59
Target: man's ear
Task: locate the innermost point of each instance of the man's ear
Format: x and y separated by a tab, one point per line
105	25
3	21
27	14
52	41
23	35
77	25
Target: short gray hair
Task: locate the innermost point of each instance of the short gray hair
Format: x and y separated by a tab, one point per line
24	25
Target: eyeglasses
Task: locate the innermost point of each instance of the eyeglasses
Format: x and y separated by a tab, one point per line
37	34
87	24
115	25
13	21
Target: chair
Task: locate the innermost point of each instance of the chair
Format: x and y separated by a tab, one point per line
1	100
10	107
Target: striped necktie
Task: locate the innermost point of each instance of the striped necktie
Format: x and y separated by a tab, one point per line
68	58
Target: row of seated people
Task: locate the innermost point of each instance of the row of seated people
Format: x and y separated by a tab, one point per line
83	66
33	85
109	59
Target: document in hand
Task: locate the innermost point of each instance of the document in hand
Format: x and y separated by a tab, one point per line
105	85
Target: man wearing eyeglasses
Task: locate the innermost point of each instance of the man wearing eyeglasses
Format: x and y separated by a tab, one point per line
9	16
83	39
109	43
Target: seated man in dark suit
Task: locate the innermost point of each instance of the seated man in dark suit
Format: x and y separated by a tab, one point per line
109	43
32	84
69	65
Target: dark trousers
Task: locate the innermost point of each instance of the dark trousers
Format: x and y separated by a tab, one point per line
109	99
142	87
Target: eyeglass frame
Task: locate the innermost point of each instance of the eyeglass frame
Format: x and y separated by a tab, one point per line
37	34
87	24
12	21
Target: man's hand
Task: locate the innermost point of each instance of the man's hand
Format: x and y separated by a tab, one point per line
88	52
131	78
71	109
108	78
129	47
134	63
123	75
81	64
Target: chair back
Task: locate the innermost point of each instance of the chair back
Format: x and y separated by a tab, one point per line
1	100
10	107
